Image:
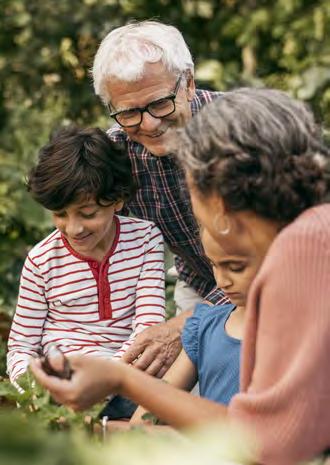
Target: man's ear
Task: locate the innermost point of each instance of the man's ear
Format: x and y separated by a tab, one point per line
191	88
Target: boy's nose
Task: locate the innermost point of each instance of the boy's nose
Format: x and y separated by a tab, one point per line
74	228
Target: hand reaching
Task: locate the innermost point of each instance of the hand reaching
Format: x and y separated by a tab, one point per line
155	349
91	381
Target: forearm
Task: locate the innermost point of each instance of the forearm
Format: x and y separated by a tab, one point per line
182	375
22	345
17	365
28	321
93	379
178	322
173	406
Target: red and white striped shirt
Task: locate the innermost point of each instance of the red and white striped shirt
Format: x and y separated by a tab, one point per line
86	306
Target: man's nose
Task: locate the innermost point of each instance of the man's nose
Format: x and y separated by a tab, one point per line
149	123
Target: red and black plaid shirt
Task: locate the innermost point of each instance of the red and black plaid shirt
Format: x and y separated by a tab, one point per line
162	197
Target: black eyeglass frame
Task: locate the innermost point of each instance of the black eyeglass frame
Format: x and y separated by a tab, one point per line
171	97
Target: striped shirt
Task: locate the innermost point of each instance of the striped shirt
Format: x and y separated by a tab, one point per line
86	306
163	197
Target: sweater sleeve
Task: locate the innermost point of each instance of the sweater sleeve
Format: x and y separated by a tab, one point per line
27	326
150	291
285	383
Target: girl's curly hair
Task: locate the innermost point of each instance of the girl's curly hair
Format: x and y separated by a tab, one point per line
260	150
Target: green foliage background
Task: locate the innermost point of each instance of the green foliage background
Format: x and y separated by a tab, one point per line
47	48
46	51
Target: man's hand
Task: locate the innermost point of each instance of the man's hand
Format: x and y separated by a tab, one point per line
155	349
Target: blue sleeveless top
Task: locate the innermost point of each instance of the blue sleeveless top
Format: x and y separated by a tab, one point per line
215	354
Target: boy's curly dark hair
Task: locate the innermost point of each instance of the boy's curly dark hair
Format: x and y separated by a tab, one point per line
79	162
260	150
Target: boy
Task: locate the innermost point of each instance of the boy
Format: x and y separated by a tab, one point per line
98	280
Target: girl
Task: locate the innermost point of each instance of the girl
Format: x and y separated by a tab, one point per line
211	338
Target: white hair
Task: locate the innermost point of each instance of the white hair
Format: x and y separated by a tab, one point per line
124	52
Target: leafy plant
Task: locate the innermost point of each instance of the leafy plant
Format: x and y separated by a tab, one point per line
3	351
32	400
24	441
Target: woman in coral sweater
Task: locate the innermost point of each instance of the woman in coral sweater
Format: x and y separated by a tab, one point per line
258	174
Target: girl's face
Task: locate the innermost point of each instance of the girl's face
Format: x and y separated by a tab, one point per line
239	253
233	273
87	226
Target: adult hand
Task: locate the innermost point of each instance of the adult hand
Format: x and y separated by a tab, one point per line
92	380
155	349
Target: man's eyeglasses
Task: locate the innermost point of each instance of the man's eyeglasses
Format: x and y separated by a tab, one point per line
158	109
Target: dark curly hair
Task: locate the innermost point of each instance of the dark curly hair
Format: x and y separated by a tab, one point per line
79	162
260	150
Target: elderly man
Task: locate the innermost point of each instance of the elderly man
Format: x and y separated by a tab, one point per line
144	74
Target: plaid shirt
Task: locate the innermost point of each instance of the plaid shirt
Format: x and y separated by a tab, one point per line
163	197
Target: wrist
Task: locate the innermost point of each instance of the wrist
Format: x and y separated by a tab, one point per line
116	377
177	323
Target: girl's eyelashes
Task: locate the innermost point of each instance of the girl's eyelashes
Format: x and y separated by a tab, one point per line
236	267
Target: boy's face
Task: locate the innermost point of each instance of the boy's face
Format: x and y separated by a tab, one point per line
233	273
88	227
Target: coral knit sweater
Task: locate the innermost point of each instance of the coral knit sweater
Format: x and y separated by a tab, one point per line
285	369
